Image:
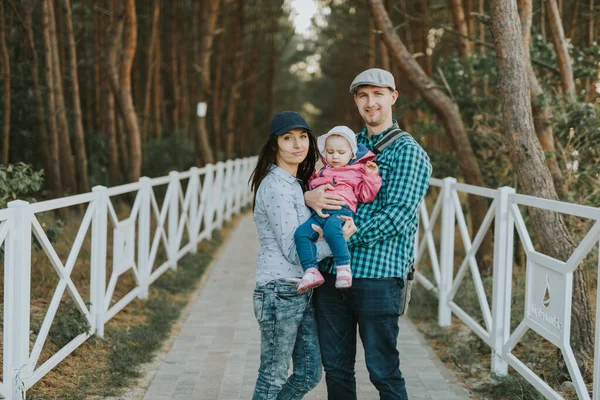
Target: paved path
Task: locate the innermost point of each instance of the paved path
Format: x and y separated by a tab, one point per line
216	354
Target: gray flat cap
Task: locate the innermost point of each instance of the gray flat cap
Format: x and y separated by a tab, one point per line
373	77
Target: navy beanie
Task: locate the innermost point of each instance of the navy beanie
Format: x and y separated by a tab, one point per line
285	121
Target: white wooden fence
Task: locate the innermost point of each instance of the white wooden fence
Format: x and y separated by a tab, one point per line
549	282
212	195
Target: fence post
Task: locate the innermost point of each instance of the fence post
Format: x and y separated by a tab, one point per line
446	251
207	197
229	189
144	215
238	186
17	288
502	280
173	218
98	258
219	198
193	187
251	166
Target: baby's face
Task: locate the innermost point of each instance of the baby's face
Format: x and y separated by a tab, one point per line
338	152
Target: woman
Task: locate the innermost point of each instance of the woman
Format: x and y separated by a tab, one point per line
286	317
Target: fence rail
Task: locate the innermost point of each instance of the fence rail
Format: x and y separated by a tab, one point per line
213	194
548	287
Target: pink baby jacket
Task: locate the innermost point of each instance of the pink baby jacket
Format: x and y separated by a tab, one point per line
351	182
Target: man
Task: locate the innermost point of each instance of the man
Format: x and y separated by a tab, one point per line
382	251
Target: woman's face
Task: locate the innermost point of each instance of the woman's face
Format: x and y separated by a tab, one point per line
292	148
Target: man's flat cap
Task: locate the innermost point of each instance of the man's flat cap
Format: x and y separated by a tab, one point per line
373	77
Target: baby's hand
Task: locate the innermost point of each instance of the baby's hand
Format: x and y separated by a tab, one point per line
371	167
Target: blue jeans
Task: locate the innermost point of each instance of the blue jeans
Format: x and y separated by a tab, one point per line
373	305
305	237
288	331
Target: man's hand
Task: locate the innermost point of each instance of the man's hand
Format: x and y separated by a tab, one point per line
318	199
371	167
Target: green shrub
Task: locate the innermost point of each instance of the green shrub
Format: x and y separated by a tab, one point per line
166	154
19	181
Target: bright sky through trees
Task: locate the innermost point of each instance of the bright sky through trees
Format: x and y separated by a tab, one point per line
303	11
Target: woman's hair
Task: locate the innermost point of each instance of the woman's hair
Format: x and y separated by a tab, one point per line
268	157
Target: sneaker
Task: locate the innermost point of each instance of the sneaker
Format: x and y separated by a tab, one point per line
312	278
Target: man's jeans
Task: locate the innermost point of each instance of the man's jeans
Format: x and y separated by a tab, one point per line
305	237
288	331
373	304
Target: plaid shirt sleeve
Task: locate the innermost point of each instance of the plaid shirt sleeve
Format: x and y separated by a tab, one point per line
407	184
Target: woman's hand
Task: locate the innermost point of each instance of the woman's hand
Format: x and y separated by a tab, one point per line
349	228
318	199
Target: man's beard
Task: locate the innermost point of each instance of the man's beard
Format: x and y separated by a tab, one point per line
374	121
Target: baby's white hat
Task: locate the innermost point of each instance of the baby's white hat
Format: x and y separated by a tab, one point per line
343	131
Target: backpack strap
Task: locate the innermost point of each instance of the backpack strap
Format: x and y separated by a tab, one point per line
388	138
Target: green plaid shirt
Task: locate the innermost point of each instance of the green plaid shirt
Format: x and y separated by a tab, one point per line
383	247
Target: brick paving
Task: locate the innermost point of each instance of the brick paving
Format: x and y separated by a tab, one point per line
215	356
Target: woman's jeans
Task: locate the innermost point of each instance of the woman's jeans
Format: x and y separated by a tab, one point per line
305	237
288	331
373	305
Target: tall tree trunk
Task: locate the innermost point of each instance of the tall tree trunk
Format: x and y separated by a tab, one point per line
408	39
152	47
529	163
542	112
203	148
237	67
111	141
573	24
6	93
157	104
252	95
174	68
371	59
120	81
543	19
469	18
591	30
58	28
37	94
482	27
562	53
272	63
53	142
67	165
385	57
251	90
183	68
130	117
465	46
447	111
424	11
122	145
383	51
218	92
590	84
80	155
95	86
